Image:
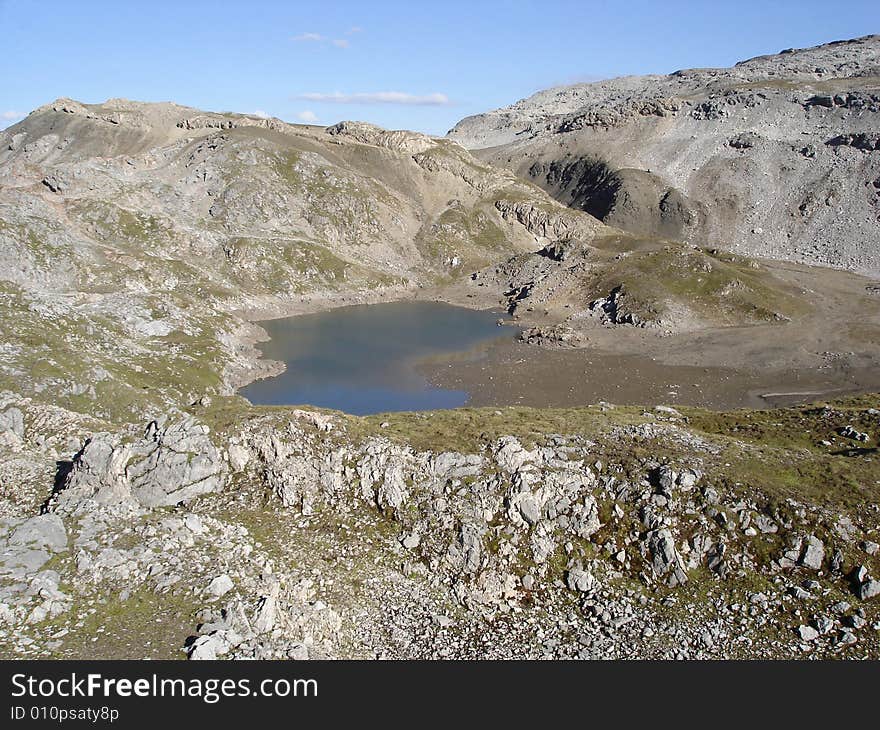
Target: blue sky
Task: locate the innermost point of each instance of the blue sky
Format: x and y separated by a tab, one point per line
401	65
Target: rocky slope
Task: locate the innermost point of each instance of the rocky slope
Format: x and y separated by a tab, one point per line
594	533
132	235
777	157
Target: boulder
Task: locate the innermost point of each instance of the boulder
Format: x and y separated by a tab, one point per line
807	633
852	433
510	454
221	585
265	620
12	419
580	580
665	559
43	531
869	589
169	465
208	648
29	544
814	553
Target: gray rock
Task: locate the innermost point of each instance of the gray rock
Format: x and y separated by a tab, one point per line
220	586
529	509
869	589
453	465
298	652
836	563
814	553
266	615
194	524
393	491
807	633
580	580
665	559
12	419
584	518
239	457
7	615
855	621
510	454
851	433
208	648
466	552
667	478
44	531
169	465
824	625
29	544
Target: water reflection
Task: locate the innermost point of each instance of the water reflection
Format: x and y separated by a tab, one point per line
362	359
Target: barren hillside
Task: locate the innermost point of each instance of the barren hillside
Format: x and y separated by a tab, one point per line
778	156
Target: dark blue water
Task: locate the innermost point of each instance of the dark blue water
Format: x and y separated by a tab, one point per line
363	359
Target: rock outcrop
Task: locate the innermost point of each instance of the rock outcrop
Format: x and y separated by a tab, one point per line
319	542
171	464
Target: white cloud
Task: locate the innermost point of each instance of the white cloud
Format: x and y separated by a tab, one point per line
11	116
307	116
322	39
380	97
354	29
261	114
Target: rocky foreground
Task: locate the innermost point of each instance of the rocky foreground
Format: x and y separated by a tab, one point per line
233	532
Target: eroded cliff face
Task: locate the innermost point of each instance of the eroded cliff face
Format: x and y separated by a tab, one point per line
776	157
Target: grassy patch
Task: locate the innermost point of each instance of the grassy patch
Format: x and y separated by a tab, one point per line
719	287
467	233
145	625
781	450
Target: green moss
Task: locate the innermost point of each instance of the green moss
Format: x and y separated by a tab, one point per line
114	224
469	233
286	167
50	355
468	429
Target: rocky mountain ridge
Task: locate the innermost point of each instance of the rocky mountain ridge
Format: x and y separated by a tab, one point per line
145	230
774	157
